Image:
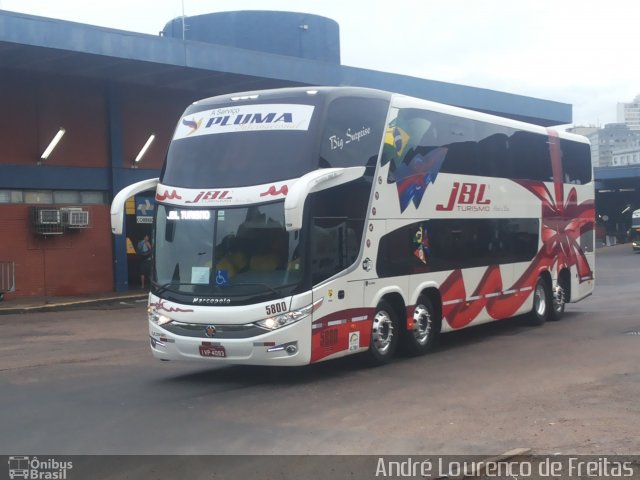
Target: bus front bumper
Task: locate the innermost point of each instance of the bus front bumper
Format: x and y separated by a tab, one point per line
287	346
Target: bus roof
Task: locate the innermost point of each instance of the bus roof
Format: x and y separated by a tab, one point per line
396	99
404	101
276	93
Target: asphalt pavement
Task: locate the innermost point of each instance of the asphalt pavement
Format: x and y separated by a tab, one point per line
82	381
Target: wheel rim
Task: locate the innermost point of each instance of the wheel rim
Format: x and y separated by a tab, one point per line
558	299
422	324
540	300
382	333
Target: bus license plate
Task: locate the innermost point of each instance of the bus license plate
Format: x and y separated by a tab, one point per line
212	351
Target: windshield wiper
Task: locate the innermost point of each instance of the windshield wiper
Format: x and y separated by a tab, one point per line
165	286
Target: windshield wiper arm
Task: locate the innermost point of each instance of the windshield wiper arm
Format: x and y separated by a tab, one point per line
165	286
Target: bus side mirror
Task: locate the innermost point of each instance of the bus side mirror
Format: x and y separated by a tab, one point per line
314	182
117	205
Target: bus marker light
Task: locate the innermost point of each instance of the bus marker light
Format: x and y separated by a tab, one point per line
290	348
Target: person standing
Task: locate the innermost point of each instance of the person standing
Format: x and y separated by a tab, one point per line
144	252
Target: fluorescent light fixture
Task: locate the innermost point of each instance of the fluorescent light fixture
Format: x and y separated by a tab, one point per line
52	144
144	148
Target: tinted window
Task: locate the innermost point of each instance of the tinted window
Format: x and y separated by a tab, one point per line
530	156
469	147
337	223
448	244
576	162
353	132
493	150
457	135
418	135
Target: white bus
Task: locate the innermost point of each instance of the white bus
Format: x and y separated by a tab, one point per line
299	225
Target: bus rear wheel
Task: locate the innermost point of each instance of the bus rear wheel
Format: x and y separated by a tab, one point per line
385	330
422	337
542	303
559	302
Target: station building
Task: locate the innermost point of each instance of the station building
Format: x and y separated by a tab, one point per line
106	93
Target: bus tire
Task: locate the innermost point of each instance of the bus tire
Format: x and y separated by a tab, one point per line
426	326
559	298
542	303
385	331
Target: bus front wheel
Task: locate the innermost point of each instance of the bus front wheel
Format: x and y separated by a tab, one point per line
385	330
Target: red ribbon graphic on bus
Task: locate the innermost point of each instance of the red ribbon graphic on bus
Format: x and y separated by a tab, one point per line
563	222
284	190
168	195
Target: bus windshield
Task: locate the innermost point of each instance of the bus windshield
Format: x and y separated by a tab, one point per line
263	142
237	146
239	253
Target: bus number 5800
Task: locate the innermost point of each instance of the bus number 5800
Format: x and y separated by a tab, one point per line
276	308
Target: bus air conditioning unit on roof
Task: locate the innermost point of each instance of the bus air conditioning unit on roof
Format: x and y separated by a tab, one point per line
75	217
46	221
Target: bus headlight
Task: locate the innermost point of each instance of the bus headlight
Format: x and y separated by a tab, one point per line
158	318
284	319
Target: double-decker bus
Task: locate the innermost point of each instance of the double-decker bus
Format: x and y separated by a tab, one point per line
299	225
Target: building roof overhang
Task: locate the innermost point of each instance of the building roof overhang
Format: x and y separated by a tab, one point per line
44	45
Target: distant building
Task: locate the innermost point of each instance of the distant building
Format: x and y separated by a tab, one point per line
613	137
629	113
627	156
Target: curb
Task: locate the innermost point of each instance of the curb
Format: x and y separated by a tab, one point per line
50	307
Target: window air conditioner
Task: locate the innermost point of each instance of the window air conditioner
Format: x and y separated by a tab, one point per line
48	216
75	218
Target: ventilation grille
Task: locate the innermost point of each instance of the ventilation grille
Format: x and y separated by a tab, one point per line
46	221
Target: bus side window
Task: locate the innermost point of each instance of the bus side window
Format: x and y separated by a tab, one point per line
458	136
493	145
576	162
338	217
352	133
529	153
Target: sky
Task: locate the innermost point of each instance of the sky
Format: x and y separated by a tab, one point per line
571	51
